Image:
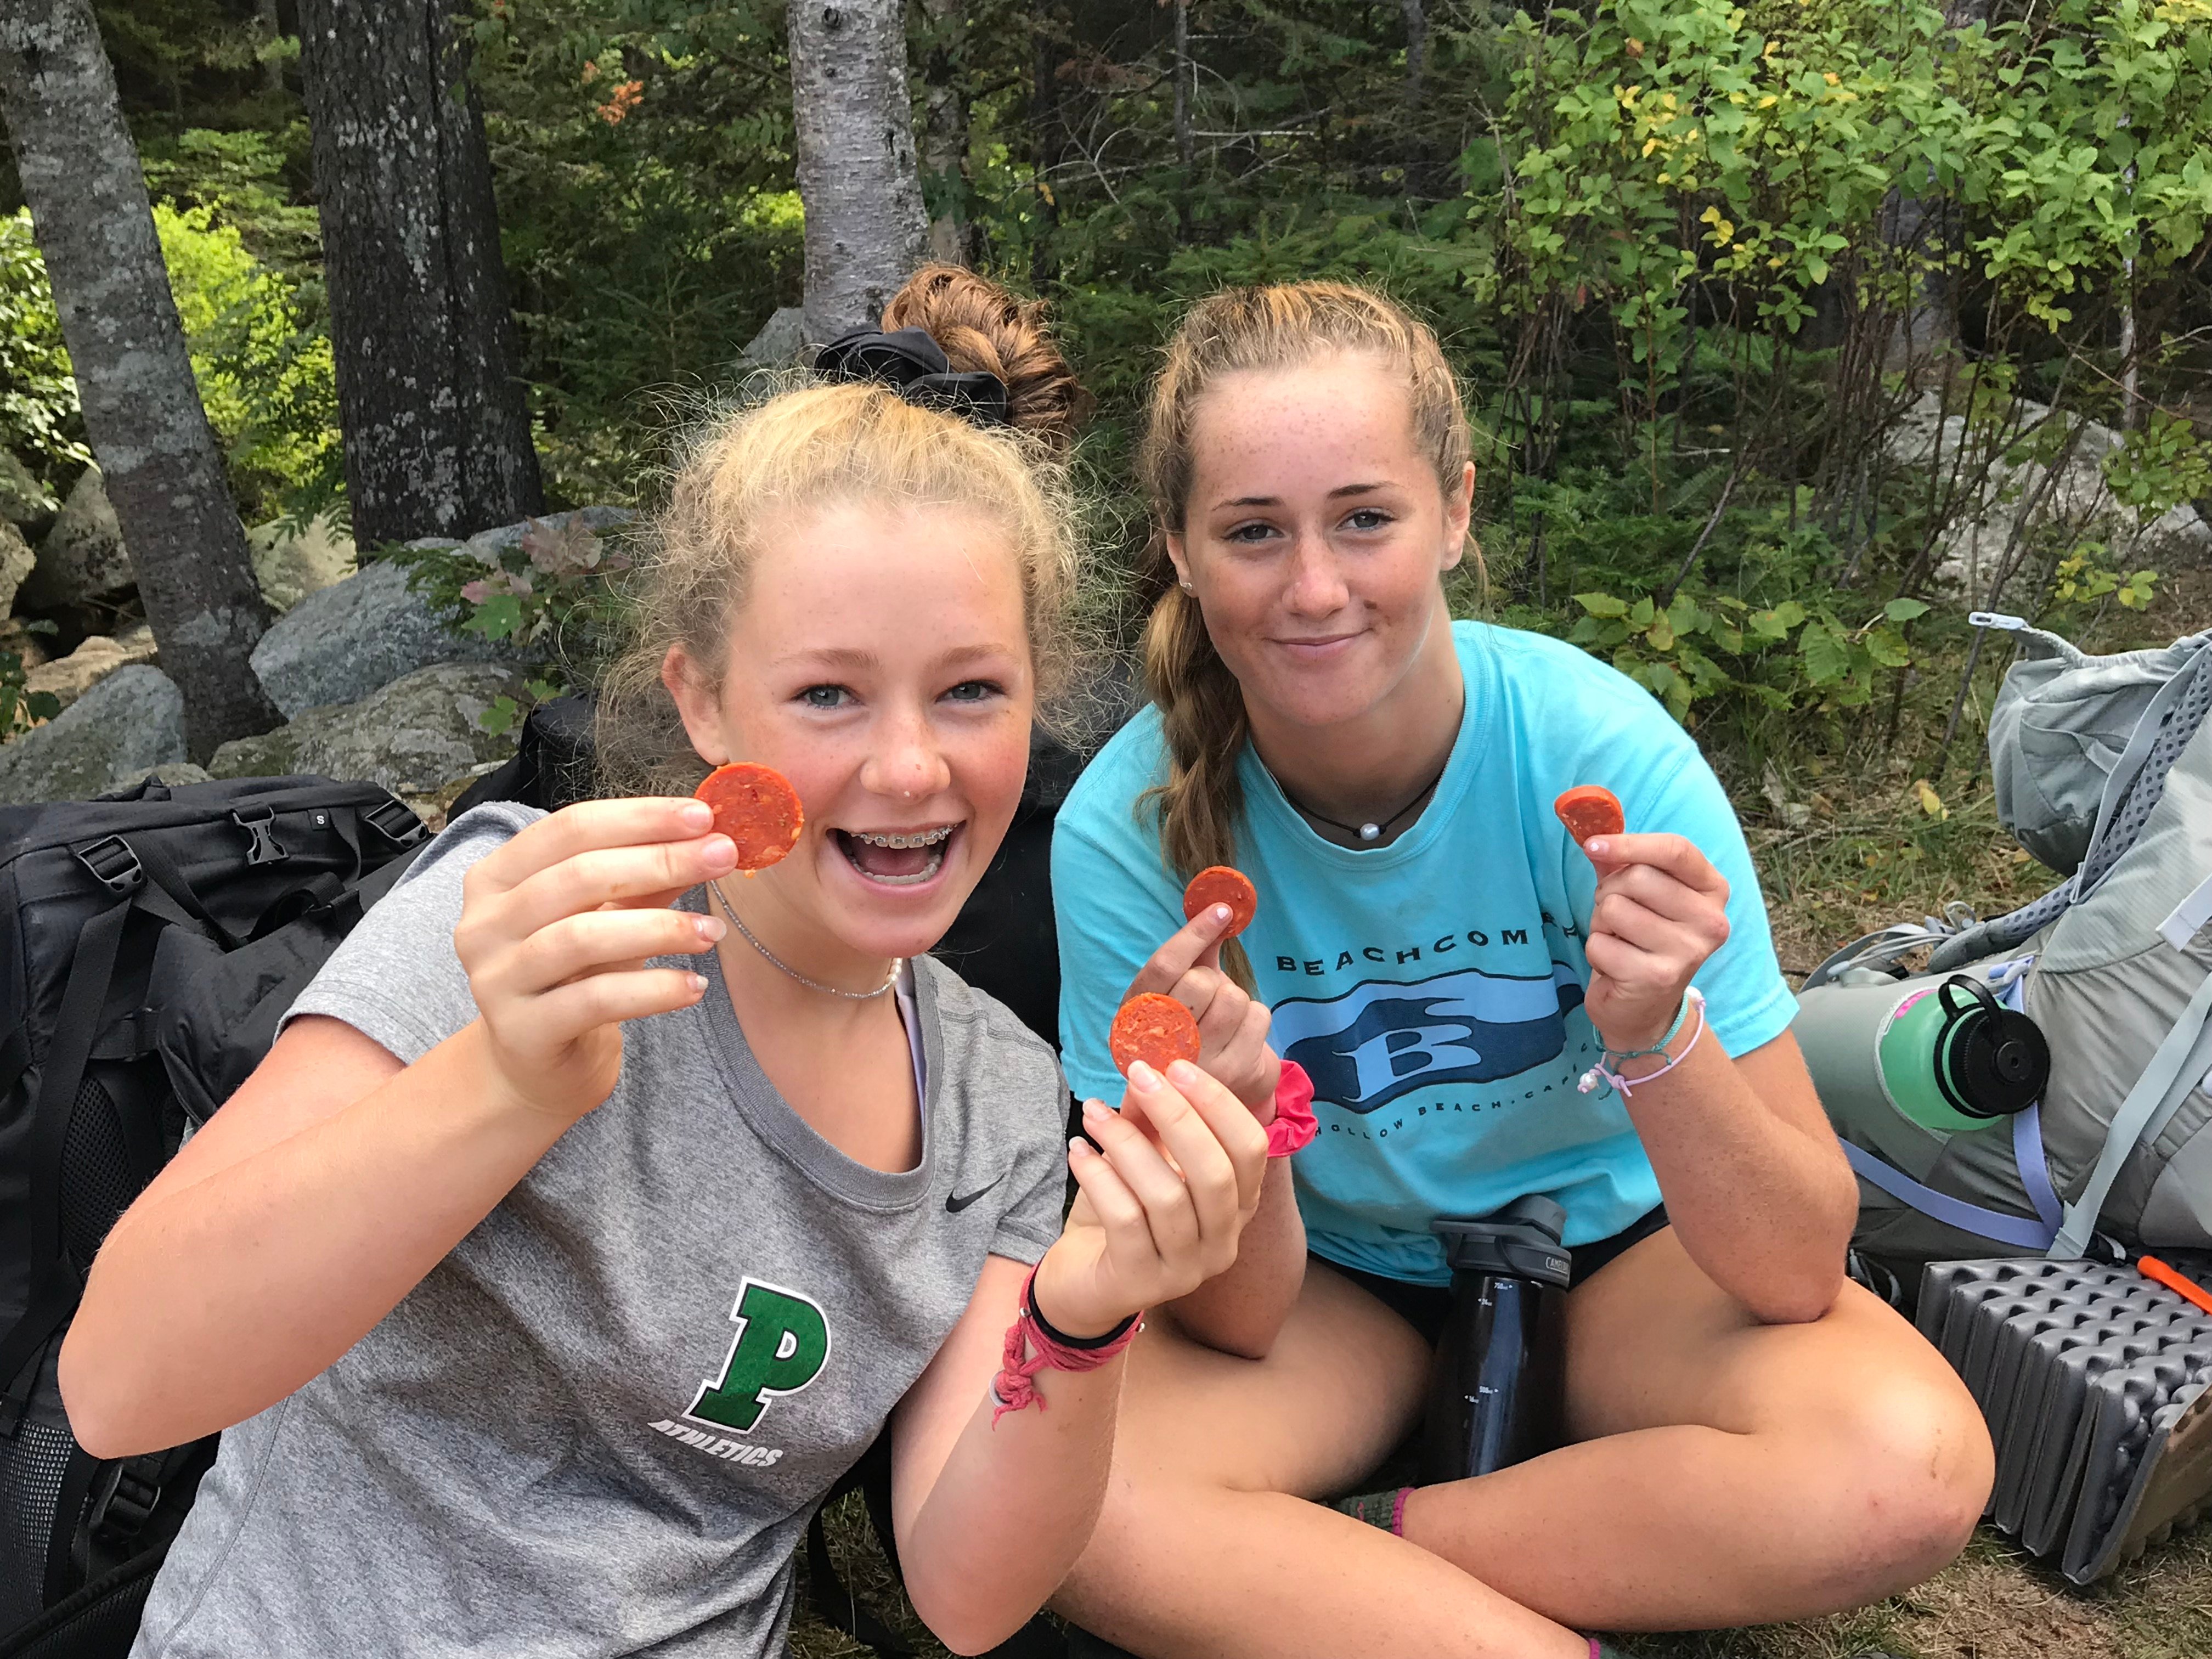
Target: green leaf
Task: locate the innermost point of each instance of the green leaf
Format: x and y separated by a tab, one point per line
1887	647
1905	609
1789	614
1642	611
1827	654
42	705
498	617
1602	605
1660	633
500	718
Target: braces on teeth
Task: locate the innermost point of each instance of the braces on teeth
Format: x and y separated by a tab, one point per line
925	838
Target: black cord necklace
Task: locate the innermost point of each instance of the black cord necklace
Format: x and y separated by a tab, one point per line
1369	833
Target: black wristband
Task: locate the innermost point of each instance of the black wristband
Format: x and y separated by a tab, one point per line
1029	1296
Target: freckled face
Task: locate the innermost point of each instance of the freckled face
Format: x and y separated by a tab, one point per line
1316	535
881	663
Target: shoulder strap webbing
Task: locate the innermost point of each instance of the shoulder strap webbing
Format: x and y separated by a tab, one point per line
2022	1232
2179	1061
53	1281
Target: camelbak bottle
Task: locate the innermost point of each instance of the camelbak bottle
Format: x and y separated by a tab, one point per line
1947	1056
1496	1386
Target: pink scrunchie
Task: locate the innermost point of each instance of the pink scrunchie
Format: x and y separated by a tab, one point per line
1295	1125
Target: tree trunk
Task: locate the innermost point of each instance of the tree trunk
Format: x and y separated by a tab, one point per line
142	409
1417	54
858	177
944	130
1186	149
437	438
268	32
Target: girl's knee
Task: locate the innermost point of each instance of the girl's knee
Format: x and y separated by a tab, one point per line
1913	1467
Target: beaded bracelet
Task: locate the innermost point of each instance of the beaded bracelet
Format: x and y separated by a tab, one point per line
1607	1069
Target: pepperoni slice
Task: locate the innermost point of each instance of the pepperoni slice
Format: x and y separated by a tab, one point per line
1155	1029
1588	809
1219	884
754	807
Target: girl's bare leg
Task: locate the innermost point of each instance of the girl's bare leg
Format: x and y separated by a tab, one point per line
1729	1473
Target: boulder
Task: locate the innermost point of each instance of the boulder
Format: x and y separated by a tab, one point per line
361	633
81	562
2073	494
92	662
289	563
781	342
15	562
487	545
357	636
131	720
413	736
23	500
175	773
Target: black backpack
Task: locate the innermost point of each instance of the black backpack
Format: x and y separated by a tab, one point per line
150	941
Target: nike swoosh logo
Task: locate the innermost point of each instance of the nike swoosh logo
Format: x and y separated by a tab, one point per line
955	1202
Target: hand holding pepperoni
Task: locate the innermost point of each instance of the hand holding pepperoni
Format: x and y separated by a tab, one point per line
1232	1027
557	925
1165	1193
1661	910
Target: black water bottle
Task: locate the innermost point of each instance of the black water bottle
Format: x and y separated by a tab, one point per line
1496	1387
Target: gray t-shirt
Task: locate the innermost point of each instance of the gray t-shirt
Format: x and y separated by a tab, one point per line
598	1426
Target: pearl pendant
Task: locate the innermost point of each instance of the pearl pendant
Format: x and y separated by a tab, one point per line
1370	832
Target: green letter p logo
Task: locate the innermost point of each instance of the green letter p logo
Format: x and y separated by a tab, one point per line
782	1344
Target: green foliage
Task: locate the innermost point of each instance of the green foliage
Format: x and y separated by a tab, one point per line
264	370
38	416
554	595
20	710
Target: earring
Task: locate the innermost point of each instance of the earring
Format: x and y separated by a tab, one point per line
1186	587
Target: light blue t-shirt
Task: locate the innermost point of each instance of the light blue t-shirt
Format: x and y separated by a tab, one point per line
1432	987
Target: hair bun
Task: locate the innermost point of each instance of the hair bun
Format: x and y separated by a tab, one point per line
981	328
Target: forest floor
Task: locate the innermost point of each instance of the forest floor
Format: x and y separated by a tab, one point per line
1828	879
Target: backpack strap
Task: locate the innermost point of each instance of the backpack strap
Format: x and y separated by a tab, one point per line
55	1283
2179	1061
2022	1232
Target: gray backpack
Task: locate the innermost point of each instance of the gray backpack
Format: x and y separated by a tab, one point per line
2103	768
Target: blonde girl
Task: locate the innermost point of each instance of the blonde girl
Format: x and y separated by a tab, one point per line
596	1208
1752	1438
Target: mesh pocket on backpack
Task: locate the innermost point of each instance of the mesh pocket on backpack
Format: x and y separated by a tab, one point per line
32	1464
96	1181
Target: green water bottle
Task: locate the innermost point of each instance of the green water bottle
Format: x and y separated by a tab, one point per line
1946	1056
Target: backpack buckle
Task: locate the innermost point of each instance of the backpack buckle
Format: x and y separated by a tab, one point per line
113	864
126	1500
394	820
261	847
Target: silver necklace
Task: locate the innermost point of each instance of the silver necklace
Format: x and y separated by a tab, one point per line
890	980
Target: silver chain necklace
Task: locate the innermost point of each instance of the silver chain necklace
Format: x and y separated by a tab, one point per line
890	980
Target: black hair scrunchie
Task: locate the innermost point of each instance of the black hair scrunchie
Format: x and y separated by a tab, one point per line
915	366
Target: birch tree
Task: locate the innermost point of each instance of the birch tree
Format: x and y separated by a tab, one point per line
437	436
858	176
157	454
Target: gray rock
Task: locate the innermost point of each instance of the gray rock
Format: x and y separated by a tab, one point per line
288	564
361	634
23	500
780	341
131	720
15	562
2073	496
81	562
413	737
486	545
357	636
175	773
93	661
